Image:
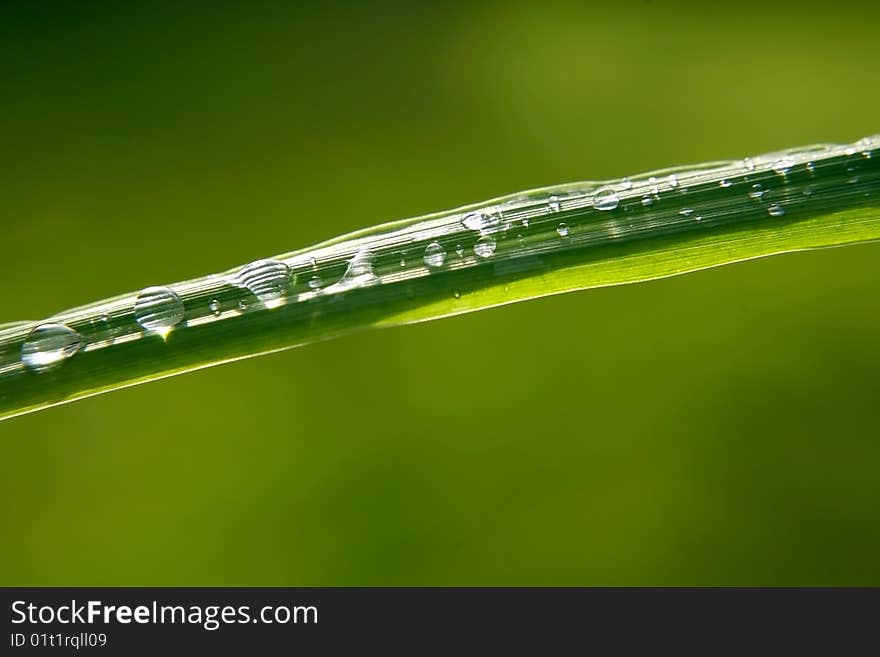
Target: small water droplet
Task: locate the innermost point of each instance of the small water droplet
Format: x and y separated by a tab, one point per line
808	191
606	199
242	305
49	345
358	274
525	223
158	309
687	212
313	263
403	262
757	191
672	180
456	294
484	247
435	255
775	210
625	184
784	164
749	164
725	183
315	282
214	307
811	167
266	279
562	229
647	200
459	250
554	205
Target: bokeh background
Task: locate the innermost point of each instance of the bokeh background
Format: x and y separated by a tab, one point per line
715	428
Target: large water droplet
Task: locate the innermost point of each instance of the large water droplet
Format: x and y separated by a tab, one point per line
606	199
484	247
484	221
49	345
435	255
266	279
158	309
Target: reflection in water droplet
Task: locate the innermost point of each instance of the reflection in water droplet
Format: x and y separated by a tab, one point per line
49	345
776	210
554	205
757	191
266	279
214	306
158	309
435	255
606	199
484	247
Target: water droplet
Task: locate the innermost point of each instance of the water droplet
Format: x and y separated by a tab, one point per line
784	164
214	307
808	191
266	279
158	309
315	282
625	184
525	223
358	274
725	183
757	191
403	262
749	164
456	294
484	247
606	199
435	255
672	180
242	305
49	345
811	167
775	210
562	230
687	212
647	200
482	221
459	250
554	205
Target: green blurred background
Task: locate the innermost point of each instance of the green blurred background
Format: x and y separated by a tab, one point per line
715	428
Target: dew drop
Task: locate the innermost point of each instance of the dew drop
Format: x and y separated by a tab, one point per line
456	294
482	221
403	262
435	255
687	212
725	183
48	346
459	250
606	199
647	200
749	164
562	230
672	180
525	224
484	247
158	309
266	279
358	274
776	210
214	307
757	191
808	191
315	282
554	205
811	167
